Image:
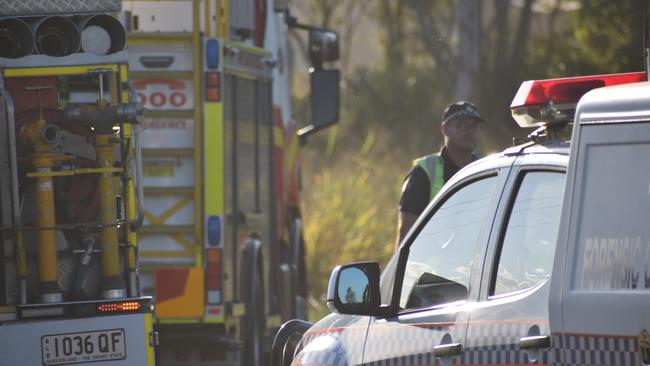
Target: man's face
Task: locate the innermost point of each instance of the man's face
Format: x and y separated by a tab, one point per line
462	134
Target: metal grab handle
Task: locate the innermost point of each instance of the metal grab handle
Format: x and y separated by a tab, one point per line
157	62
535	342
297	229
13	160
448	350
138	170
139	185
15	196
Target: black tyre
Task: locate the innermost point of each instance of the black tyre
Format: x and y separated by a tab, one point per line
286	341
254	322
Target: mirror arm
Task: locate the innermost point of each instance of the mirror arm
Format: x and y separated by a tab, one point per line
386	311
305	132
292	22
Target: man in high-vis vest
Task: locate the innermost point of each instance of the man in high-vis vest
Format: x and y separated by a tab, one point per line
460	128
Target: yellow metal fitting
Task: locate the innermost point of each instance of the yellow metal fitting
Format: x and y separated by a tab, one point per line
102	103
39	135
21	256
113	283
45	215
32	134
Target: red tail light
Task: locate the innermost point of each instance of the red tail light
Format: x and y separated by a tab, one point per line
213	276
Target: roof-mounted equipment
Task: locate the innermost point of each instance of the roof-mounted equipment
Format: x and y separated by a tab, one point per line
550	104
546	102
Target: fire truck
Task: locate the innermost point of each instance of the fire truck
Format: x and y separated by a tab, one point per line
69	183
221	248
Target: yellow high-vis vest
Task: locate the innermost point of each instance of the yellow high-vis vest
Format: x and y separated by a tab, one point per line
433	166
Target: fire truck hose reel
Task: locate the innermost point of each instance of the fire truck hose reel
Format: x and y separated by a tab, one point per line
102	34
16	38
56	36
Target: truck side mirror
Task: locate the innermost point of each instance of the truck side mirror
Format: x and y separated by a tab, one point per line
324	101
354	289
324	97
323	46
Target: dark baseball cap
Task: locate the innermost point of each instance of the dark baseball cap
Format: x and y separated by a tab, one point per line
461	110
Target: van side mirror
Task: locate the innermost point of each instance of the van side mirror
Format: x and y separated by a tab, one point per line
354	289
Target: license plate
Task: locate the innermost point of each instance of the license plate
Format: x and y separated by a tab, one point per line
69	348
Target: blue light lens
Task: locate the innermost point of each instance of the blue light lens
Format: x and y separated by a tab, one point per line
214	230
212	53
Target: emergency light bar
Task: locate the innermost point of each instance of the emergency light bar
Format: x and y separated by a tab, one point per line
553	101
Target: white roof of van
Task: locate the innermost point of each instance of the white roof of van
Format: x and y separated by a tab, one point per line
615	104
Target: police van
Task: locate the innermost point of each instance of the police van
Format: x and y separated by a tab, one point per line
470	283
600	291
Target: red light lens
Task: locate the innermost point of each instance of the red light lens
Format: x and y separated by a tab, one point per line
212	94
212	79
214	311
213	270
543	102
212	86
117	307
568	90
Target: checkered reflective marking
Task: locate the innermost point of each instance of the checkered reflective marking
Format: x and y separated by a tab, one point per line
419	359
497	342
407	344
584	349
331	347
489	342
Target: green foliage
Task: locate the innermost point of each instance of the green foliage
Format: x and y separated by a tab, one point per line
405	102
609	36
350	211
601	37
390	111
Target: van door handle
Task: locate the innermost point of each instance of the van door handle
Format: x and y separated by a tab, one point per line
535	342
448	350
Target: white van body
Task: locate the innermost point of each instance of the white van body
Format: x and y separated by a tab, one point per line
600	286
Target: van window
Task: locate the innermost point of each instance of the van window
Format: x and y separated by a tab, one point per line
440	258
528	244
613	229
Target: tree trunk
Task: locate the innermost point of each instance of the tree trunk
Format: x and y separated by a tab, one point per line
469	41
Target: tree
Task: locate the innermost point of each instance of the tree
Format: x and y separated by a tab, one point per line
391	110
